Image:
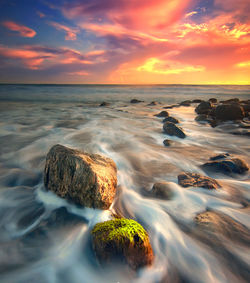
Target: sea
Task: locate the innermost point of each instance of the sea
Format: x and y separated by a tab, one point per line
44	238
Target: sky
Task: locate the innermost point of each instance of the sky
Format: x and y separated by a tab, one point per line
125	41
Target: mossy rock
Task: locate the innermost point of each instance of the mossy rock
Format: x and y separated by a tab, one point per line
124	240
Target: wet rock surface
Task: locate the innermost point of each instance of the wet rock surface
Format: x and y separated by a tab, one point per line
162	114
217	222
162	190
196	180
85	179
171	119
172	130
123	240
204	107
225	164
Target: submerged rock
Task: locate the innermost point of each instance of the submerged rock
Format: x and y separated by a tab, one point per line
134	100
153	103
202	118
171	119
162	190
227	165
104	103
86	179
162	114
124	240
172	130
217	222
167	142
186	103
196	180
197	101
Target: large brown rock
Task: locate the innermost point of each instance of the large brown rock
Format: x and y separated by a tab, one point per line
227	112
196	180
86	179
123	240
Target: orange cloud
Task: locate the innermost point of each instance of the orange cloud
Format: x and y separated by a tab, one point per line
71	33
21	29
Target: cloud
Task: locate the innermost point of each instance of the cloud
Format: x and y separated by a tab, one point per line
41	57
21	29
71	33
146	16
166	67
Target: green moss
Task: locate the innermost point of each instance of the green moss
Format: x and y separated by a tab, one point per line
120	230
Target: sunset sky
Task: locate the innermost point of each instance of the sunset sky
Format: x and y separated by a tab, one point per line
125	41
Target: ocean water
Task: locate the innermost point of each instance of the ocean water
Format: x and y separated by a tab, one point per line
46	239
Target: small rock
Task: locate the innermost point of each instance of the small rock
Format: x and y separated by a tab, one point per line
153	103
226	166
204	107
213	100
162	114
227	112
171	119
186	103
167	142
135	100
172	130
171	106
162	190
124	240
86	179
196	180
103	104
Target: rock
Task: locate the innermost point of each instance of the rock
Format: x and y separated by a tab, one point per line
186	103
124	240
171	106
171	119
196	180
220	156
162	114
204	107
172	130
167	142
202	118
104	104
86	179
217	222
230	101
213	100
153	103
227	166
135	100
197	101
226	112
162	190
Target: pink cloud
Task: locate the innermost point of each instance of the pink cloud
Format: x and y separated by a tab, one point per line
40	57
21	29
71	33
140	15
